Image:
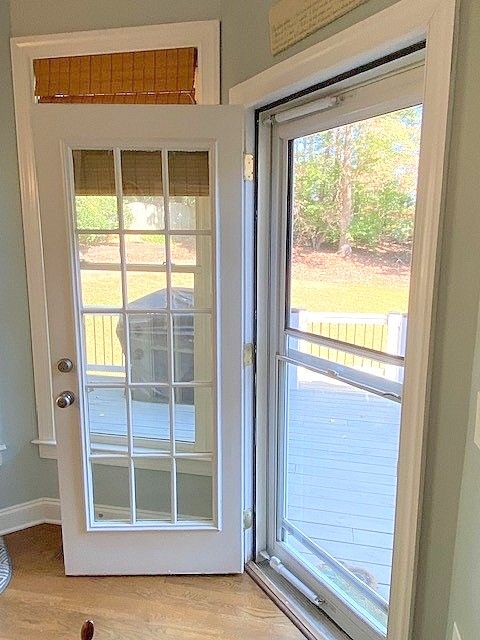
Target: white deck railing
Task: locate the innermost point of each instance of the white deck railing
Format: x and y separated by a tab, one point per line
380	332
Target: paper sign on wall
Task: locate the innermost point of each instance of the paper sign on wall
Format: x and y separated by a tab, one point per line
293	20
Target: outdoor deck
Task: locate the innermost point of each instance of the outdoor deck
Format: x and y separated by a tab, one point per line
342	456
342	463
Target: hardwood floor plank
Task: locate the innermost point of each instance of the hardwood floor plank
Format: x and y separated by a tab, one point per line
42	602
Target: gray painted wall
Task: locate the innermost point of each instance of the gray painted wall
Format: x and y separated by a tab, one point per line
23	476
245	51
464	607
465	588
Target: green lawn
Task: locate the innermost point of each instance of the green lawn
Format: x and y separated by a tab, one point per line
349	298
103	289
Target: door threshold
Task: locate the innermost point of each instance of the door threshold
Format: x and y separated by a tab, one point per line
308	619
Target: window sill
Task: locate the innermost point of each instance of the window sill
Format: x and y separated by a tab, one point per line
47	448
314	624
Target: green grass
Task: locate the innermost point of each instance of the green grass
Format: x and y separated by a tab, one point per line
349	298
153	239
104	289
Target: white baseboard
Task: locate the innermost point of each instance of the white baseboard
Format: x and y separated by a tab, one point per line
29	514
47	510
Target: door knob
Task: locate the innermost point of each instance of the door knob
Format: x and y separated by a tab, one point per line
65	365
65	399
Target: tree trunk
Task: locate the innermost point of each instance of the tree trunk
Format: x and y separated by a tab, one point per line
344	193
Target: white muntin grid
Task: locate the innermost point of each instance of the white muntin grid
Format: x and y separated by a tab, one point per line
166	452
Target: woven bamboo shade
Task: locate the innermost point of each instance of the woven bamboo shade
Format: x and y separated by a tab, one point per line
188	173
142	173
94	173
163	76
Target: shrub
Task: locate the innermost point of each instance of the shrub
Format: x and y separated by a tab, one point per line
98	213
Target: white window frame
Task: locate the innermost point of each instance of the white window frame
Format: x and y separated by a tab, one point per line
383	93
205	37
405	23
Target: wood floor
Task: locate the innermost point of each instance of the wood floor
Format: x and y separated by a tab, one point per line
42	603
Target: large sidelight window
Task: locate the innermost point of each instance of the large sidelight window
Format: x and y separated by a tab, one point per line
342	233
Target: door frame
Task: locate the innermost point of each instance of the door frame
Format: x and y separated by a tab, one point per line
404	24
205	37
389	90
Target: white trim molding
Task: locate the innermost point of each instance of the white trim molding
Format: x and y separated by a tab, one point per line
47	511
405	23
2	449
29	514
205	36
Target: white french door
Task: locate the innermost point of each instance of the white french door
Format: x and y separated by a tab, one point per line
141	211
341	235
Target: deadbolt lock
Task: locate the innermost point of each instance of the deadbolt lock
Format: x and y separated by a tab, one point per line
65	365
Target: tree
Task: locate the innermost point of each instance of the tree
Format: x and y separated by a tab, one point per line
356	184
345	184
98	213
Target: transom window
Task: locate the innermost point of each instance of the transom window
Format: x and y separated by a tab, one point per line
160	76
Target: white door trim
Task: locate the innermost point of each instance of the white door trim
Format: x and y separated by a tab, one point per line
405	23
205	36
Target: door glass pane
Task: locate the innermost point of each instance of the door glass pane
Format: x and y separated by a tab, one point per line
104	355
145	249
192	347
95	193
194	490
107	418
183	291
351	227
149	347
146	289
151	418
148	385
101	288
341	452
194	420
110	488
189	190
152	489
96	248
191	291
195	285
184	249
143	213
142	190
